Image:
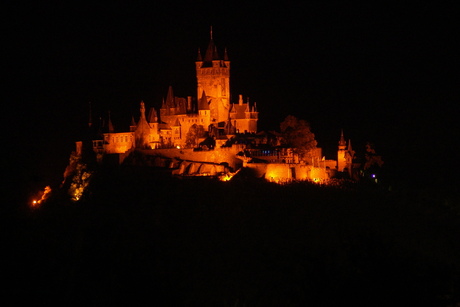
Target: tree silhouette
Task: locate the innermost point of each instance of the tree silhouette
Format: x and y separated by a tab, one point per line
297	135
194	133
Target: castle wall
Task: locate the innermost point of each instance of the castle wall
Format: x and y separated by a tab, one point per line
118	142
281	172
219	155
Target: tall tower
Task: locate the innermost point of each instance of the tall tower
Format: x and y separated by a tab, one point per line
341	154
213	77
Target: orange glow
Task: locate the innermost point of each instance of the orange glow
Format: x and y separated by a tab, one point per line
228	176
44	196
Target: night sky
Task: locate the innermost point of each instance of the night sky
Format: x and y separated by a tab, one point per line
380	72
384	73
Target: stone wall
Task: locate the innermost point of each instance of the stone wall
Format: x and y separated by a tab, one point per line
219	155
282	172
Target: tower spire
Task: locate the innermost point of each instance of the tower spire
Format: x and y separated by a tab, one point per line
342	141
210	32
142	109
110	125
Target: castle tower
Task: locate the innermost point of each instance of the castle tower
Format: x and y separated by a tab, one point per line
141	134
213	77
341	154
349	157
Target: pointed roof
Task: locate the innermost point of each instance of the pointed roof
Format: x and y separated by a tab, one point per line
199	58
203	102
177	123
349	146
110	125
211	52
342	141
170	97
152	117
238	110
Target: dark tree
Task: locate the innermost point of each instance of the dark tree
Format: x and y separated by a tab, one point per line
194	133
296	134
372	162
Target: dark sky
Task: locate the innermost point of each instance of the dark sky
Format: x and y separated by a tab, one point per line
382	72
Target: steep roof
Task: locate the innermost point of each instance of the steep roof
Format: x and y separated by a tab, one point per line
239	109
170	98
203	102
110	127
211	52
342	141
177	123
152	117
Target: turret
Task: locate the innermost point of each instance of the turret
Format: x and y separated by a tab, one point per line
142	130
342	142
199	60
341	153
110	127
226	60
153	117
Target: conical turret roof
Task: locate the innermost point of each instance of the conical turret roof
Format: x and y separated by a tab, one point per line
203	102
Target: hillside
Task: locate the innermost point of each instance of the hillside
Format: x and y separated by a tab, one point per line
140	236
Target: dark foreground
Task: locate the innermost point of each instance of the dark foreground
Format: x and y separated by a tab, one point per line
137	239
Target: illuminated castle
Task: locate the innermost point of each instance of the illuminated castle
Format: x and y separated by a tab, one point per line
183	122
208	123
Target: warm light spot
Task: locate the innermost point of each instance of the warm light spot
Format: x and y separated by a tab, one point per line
43	196
228	176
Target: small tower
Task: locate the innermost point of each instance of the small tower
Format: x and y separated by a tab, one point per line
142	130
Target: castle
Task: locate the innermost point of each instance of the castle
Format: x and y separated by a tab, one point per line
207	123
183	121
